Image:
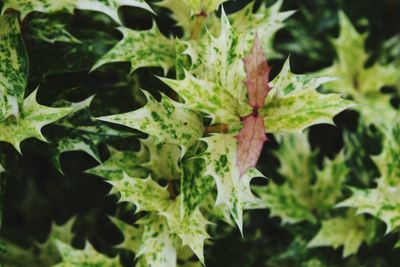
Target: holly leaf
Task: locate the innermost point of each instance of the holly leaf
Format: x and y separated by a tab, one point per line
13	67
157	248
265	22
146	194
132	235
191	229
233	190
86	257
383	201
32	118
108	7
295	104
349	232
121	162
166	121
136	47
80	132
308	192
250	142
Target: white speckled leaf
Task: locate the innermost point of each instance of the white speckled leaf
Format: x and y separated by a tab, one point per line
207	97
166	121
233	191
146	193
157	248
266	21
13	67
308	192
109	7
349	232
32	118
139	49
163	160
119	162
294	103
191	229
81	258
132	235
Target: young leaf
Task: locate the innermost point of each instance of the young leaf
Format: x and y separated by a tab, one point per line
349	232
32	118
109	7
137	48
166	121
13	67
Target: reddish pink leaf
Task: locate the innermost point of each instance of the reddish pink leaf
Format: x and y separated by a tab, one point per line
257	70
250	142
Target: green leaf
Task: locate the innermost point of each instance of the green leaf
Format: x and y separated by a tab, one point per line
137	47
13	67
50	30
266	21
308	192
349	232
32	118
233	191
87	257
109	7
146	193
166	121
294	103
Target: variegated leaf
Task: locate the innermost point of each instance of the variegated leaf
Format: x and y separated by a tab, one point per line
349	232
32	118
294	103
265	22
109	7
13	67
121	162
233	191
86	257
146	193
207	97
132	235
307	193
191	229
137	48
382	202
166	121
157	247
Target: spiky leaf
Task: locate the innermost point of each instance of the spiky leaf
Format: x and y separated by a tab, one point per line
137	48
166	121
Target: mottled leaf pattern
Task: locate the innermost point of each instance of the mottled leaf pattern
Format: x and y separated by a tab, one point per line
50	30
86	257
294	103
166	121
13	67
109	7
349	232
301	197
32	118
137	48
265	22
